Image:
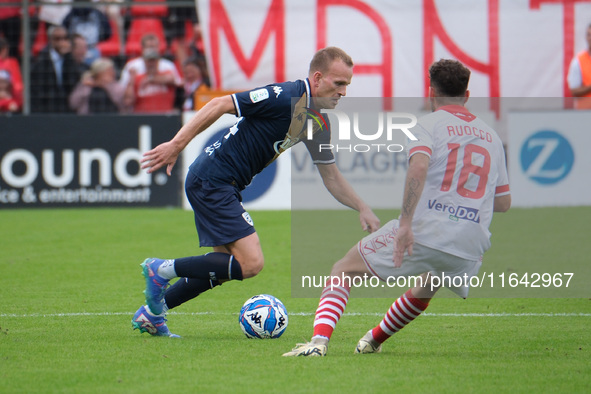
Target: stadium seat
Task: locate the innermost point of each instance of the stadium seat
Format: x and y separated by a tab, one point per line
137	29
40	40
112	46
148	10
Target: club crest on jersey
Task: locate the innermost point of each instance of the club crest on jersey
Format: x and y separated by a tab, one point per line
259	95
247	218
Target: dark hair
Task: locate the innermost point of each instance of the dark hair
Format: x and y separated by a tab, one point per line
75	36
194	60
324	57
449	78
53	28
3	43
148	37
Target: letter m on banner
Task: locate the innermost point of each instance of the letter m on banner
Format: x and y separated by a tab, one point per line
433	28
220	26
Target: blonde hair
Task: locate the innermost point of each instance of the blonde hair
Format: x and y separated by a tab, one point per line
100	65
324	58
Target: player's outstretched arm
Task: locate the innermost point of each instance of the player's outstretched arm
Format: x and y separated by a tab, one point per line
338	186
414	184
166	154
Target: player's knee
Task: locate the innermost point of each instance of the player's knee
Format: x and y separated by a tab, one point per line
338	268
427	290
351	263
252	266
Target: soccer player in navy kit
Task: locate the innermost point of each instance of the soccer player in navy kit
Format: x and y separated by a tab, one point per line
225	168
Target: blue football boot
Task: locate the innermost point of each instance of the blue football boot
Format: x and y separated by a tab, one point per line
150	323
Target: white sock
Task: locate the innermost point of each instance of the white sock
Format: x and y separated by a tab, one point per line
166	269
320	339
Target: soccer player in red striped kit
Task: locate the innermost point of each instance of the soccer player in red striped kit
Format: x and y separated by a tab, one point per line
456	179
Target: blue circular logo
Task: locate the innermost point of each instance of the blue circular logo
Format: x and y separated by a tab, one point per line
260	183
547	157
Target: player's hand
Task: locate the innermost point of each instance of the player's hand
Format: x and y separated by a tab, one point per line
164	154
404	240
369	221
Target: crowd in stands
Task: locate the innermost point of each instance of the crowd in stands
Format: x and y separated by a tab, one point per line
11	82
144	58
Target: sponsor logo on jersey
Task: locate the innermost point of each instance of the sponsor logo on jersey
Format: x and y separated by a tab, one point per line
277	90
259	95
456	213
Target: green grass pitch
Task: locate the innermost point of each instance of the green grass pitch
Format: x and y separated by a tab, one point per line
70	282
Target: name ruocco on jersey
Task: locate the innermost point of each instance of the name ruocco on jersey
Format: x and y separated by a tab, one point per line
394	121
456	213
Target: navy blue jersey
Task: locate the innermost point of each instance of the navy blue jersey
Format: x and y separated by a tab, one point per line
246	148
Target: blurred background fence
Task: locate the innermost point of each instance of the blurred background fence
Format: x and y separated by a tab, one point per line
138	69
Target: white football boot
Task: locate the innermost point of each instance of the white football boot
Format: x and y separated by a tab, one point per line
308	349
368	345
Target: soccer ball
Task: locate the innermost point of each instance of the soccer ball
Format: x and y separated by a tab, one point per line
263	316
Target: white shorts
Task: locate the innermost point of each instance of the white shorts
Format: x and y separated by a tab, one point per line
377	249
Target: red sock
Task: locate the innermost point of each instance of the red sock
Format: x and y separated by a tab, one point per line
330	309
404	310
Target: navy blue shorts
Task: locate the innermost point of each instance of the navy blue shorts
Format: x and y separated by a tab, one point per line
220	217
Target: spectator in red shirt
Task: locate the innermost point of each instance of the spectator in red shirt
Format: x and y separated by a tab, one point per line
12	67
7	101
149	41
153	90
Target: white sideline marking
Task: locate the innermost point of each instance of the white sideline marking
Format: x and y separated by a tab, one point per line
427	314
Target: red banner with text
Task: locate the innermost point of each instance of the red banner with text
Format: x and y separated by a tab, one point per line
515	48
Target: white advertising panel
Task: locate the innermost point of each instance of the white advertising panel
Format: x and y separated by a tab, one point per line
549	160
